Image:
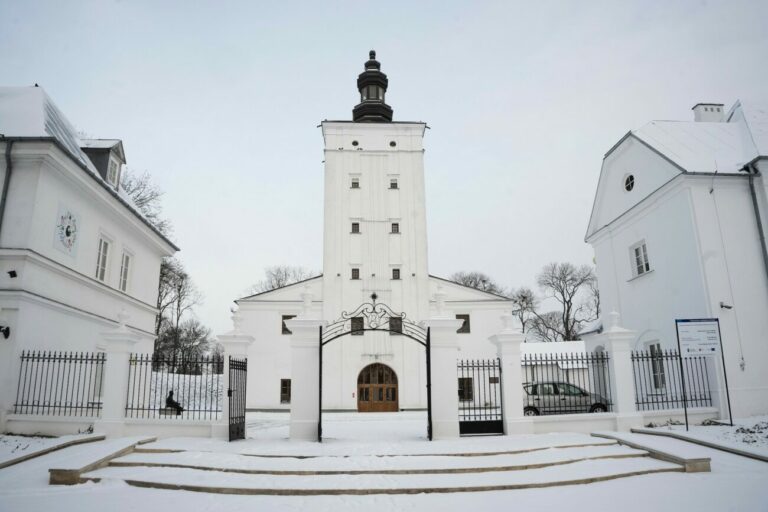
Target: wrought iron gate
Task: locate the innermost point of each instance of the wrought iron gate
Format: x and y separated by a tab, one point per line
480	404
238	372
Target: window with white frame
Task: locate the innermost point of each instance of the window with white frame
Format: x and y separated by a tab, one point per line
657	366
102	258
355	182
125	271
113	171
393	183
640	264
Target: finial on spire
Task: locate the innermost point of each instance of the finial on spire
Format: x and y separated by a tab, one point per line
372	84
371	55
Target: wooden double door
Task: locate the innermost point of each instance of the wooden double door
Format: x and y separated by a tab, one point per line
377	389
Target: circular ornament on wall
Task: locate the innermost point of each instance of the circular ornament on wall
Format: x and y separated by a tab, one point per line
66	231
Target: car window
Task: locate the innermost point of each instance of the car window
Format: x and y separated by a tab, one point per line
547	389
568	389
530	389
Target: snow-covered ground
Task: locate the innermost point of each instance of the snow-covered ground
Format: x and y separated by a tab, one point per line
13	447
735	483
750	434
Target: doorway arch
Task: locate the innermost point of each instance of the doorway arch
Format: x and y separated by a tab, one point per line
377	389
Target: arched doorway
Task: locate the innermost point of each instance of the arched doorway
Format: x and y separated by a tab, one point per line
377	389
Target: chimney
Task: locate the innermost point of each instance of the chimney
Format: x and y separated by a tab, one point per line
708	113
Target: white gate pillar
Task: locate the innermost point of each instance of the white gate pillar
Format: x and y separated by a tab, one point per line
118	345
507	343
618	343
444	352
305	372
235	344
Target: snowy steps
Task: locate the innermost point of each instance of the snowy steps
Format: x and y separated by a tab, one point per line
232	473
96	455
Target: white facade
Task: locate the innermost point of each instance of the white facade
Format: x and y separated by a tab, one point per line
375	241
59	288
676	236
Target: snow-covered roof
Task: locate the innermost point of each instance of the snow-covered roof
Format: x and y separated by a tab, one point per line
100	143
30	112
723	147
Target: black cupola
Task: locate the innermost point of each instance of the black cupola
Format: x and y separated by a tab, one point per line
372	84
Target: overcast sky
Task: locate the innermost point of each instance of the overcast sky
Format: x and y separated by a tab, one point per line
220	102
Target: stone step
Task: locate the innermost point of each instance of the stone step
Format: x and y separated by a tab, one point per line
359	464
580	472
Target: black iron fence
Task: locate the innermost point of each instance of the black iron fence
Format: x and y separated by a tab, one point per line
60	383
571	383
175	388
480	406
658	383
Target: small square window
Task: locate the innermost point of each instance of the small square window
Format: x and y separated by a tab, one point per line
355	273
395	227
395	273
286	330
395	325
355	183
285	391
465	326
393	183
358	326
355	227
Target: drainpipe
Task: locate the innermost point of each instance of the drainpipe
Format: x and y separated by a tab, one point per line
6	180
754	172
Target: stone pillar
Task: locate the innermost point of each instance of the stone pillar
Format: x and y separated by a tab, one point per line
235	344
618	342
507	343
305	366
118	345
444	344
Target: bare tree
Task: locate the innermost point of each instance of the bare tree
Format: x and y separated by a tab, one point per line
479	281
525	304
547	326
593	300
279	276
564	282
146	196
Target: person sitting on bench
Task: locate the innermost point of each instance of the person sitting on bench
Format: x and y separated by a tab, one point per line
173	404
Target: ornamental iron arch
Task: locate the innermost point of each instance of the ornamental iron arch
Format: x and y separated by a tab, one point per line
374	316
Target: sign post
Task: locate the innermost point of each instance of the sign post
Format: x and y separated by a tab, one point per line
700	337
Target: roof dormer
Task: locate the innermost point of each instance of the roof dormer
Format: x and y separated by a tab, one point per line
107	156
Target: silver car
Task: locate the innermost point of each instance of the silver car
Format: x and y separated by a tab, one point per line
553	397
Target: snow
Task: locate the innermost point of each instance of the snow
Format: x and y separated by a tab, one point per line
735	483
201	396
13	447
749	434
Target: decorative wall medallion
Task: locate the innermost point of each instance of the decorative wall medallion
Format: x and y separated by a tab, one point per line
66	231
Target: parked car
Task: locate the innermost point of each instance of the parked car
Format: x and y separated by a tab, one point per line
553	397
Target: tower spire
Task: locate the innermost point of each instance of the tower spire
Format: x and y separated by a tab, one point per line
372	84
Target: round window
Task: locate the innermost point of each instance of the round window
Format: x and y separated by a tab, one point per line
393	143
629	182
354	143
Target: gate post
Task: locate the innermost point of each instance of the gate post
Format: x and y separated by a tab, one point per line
118	344
305	372
618	343
235	344
507	343
445	385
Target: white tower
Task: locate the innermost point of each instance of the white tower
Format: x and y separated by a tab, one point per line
375	238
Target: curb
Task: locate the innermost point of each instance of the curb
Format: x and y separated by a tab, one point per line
45	451
701	442
697	465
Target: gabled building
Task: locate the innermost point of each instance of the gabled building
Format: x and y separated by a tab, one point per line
74	250
678	229
375	241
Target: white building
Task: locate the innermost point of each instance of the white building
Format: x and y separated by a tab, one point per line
375	241
74	251
678	232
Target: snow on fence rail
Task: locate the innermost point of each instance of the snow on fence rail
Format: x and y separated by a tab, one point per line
658	383
60	383
175	388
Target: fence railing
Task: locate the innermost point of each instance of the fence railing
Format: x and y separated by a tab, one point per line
479	396
658	383
566	383
175	388
60	383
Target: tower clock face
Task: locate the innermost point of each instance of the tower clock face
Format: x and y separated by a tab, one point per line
66	231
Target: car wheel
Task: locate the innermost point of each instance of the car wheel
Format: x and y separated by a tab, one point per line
598	408
530	411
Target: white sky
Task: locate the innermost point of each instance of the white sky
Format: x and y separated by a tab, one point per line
220	102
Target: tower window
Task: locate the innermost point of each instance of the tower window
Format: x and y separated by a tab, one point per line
395	325
355	227
285	391
355	183
392	143
395	273
629	183
355	143
393	183
355	273
395	227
